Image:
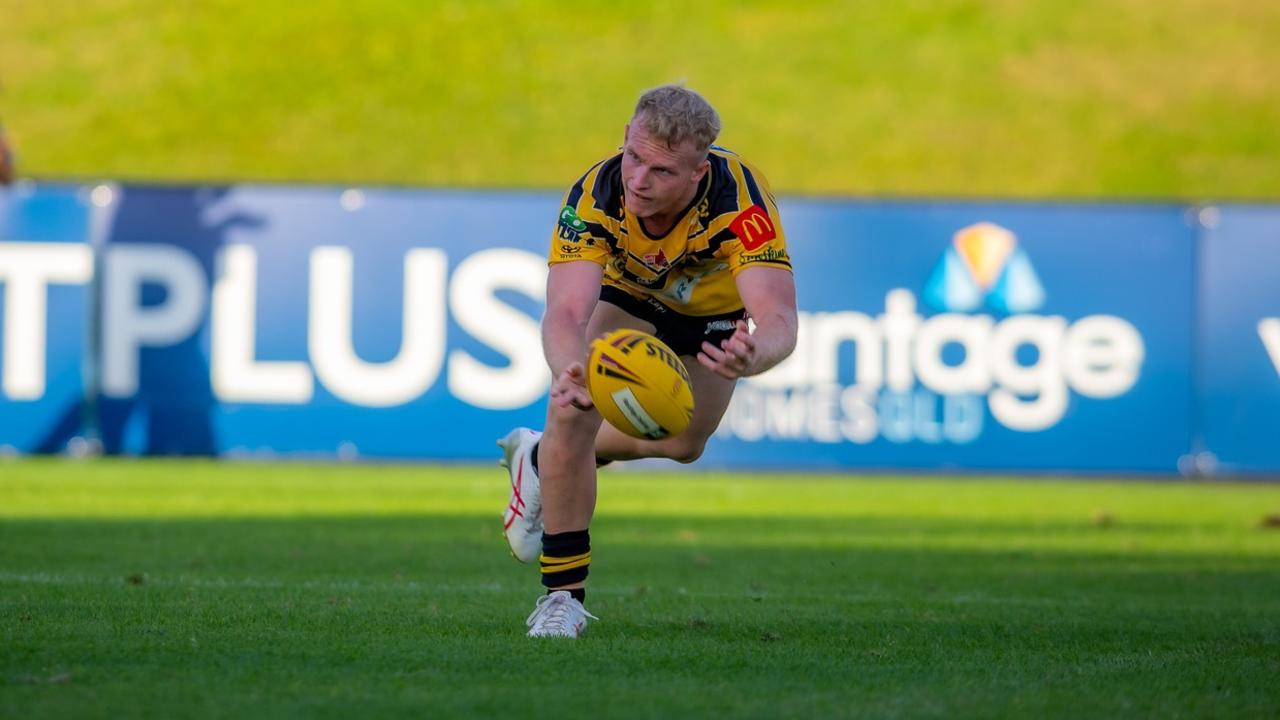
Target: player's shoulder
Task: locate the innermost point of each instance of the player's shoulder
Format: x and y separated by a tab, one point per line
736	184
741	215
597	194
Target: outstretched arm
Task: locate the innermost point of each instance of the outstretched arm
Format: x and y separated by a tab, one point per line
769	295
573	288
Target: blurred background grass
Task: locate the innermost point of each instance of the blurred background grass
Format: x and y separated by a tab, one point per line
1126	98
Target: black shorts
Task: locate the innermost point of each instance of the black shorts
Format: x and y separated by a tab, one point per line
684	334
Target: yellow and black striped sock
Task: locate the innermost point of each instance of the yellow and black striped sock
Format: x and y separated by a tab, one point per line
566	558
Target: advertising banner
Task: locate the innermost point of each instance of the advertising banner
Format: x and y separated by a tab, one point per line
975	335
46	265
1240	340
272	321
379	323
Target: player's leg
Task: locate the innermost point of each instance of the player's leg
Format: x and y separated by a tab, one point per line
607	317
711	395
522	520
522	517
566	468
566	454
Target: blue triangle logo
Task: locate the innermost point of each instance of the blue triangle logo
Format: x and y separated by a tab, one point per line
950	288
1018	290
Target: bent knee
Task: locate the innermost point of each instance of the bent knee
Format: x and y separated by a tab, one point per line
687	451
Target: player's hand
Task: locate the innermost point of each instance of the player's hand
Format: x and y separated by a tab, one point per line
733	358
570	388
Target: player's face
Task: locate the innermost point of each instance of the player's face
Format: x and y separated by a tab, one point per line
658	181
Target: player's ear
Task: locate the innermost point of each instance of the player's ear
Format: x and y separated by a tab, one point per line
701	170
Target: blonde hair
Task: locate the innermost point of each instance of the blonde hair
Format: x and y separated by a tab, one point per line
675	114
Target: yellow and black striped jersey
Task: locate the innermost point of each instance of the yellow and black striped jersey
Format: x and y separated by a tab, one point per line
732	223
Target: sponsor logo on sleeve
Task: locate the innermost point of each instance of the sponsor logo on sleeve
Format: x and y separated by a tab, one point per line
768	255
753	227
570	226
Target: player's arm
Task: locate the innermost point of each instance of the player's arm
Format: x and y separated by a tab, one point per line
573	289
769	295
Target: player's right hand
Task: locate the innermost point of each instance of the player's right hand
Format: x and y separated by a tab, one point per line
570	388
733	358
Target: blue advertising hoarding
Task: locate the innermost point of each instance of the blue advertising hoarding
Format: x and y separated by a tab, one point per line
268	320
979	335
46	265
275	321
1240	339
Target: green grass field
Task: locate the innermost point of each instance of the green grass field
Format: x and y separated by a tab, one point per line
198	589
1168	98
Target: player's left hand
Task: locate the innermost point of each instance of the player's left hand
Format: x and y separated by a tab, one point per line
570	389
733	358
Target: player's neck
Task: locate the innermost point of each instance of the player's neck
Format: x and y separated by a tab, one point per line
659	224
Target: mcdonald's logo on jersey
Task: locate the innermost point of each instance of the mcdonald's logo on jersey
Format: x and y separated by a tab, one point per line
753	227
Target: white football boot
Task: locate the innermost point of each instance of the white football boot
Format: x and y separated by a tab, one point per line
522	520
558	615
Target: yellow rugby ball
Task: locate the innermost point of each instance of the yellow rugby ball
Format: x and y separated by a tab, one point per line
639	385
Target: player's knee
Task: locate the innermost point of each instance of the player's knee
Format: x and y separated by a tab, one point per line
687	450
